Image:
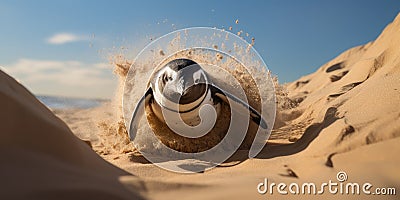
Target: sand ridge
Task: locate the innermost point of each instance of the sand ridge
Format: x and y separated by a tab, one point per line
43	159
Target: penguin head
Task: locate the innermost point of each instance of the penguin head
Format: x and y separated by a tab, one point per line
181	81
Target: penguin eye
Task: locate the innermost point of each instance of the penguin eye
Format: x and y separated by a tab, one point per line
196	81
166	78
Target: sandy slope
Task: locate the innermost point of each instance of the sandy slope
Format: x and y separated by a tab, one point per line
345	117
42	159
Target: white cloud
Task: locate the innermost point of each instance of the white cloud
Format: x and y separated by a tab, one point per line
65	78
62	38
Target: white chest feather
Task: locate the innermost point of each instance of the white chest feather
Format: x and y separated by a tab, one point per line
197	121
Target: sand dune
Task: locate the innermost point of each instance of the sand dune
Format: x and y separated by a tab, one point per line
362	84
41	157
343	117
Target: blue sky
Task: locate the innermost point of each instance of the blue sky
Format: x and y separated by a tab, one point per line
60	47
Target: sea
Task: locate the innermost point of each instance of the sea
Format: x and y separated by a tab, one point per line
55	102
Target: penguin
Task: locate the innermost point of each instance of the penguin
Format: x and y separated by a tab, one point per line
178	91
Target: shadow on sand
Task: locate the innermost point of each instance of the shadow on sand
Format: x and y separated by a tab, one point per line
275	150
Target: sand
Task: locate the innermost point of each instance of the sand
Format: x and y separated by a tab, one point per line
343	117
43	159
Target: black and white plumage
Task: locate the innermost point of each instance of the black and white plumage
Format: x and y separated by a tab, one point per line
181	88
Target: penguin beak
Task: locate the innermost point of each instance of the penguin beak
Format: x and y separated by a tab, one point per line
183	90
183	87
186	88
179	86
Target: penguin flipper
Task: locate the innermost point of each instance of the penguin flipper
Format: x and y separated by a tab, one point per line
138	112
255	116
